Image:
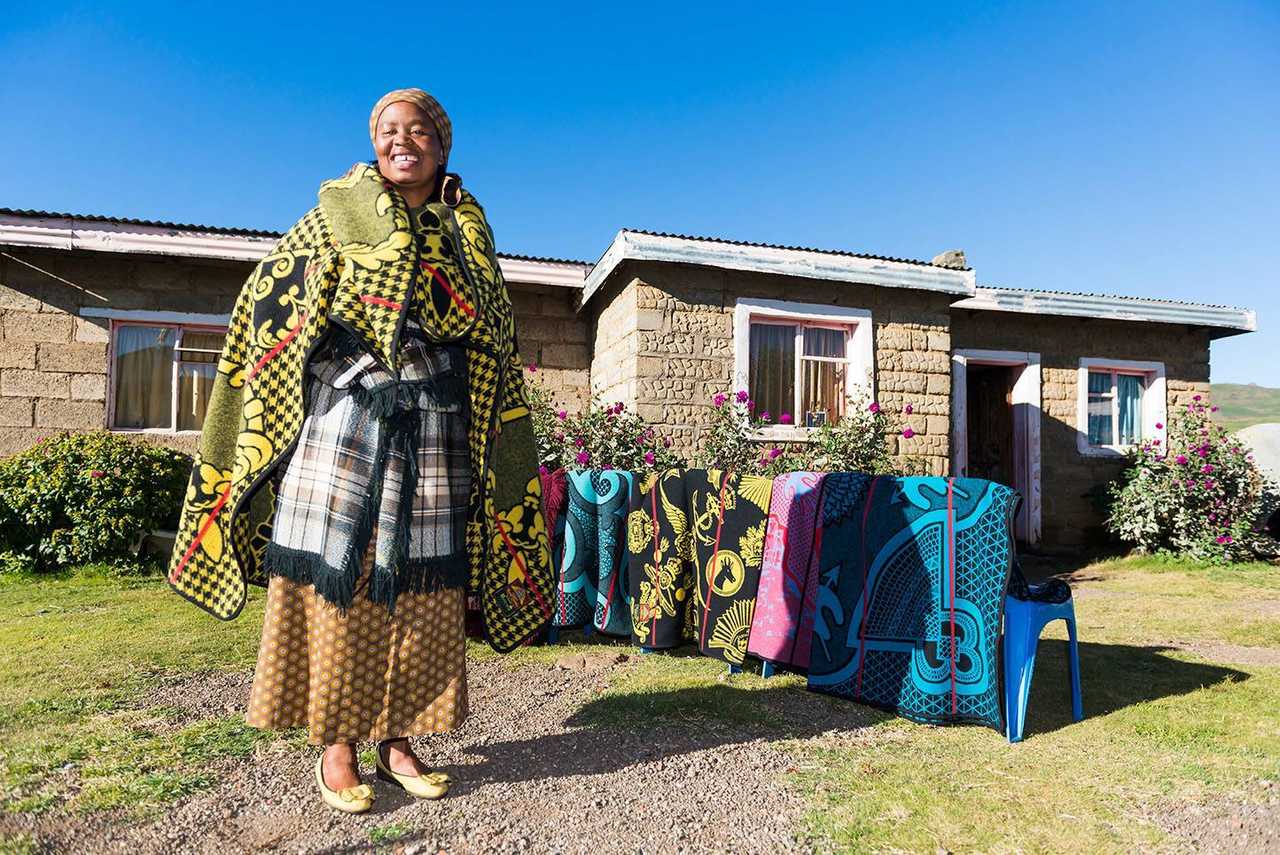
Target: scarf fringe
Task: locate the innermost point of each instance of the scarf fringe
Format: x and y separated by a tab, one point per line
385	400
419	577
308	568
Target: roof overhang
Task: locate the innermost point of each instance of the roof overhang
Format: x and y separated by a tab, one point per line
810	264
1222	320
95	236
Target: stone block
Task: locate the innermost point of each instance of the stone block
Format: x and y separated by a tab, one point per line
566	356
85	415
19	300
17	354
937	425
77	357
17	412
939	384
940	341
34	384
46	326
648	319
88	387
92	330
14	440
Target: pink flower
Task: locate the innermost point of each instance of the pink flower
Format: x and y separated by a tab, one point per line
1207	468
533	366
559	435
97	473
561	415
1203	451
1213	409
619	407
907	409
784	419
742	396
751	406
578	441
1159	425
774	452
583	458
1182	459
907	432
875	407
1196	398
764	417
1155	442
719	399
649	458
1224	539
666	442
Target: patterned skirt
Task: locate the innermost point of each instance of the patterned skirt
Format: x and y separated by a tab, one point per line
364	675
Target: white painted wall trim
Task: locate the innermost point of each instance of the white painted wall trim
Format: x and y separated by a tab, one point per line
1155	403
157	317
1227	318
1027	415
859	348
832	267
71	233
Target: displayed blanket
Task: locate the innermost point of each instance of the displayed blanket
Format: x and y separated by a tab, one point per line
912	579
695	561
353	262
783	624
594	544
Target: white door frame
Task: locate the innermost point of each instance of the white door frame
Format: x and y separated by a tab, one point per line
1026	427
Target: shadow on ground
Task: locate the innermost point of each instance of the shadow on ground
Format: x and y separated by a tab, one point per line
1112	677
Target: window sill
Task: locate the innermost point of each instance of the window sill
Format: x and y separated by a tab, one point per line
783	433
1115	452
155	431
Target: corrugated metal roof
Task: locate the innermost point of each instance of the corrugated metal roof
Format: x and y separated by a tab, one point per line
843	252
1056	293
219	230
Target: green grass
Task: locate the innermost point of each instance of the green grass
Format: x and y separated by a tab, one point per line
1240	405
80	649
1165	726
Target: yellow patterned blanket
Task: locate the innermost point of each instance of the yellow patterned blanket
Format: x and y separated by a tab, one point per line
351	262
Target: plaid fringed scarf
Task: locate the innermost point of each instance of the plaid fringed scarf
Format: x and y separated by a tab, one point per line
374	447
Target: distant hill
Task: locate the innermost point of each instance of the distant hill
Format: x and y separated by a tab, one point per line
1242	405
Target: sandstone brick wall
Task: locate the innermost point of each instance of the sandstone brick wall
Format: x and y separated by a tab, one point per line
1068	516
53	363
553	336
664	344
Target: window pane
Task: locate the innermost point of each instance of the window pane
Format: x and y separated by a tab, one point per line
143	376
201	346
772	367
1100	432
1129	393
823	391
195	382
823	342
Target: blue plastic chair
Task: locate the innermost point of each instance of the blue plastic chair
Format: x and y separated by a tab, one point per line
1024	619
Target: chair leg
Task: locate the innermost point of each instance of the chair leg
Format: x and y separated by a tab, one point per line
1073	657
735	669
766	669
588	630
553	634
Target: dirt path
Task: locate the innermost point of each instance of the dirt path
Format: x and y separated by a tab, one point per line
530	781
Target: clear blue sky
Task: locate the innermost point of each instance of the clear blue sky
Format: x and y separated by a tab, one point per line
1128	148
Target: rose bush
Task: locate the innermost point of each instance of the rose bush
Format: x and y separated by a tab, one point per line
603	437
1197	495
77	498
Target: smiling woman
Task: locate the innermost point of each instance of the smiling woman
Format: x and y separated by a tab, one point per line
367	454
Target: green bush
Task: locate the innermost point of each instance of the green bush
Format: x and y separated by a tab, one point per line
856	443
1198	497
604	437
76	498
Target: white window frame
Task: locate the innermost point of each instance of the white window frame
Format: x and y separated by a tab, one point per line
859	349
164	320
1154	403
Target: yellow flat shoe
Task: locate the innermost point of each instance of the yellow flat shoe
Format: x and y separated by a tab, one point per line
429	785
356	799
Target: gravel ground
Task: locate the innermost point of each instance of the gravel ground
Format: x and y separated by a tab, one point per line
529	781
1228	826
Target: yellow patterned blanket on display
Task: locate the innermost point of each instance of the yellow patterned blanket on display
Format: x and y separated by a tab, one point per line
351	262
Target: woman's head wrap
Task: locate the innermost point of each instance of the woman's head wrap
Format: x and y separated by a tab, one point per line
429	105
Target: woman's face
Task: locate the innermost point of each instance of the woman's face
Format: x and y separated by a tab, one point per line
407	147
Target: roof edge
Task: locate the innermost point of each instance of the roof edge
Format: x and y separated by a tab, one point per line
827	265
1229	320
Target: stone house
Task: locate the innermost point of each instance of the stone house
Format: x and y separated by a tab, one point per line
115	323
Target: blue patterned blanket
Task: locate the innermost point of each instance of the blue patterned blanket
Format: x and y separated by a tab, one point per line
912	577
590	588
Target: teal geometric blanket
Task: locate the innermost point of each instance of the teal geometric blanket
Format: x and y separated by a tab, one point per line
912	579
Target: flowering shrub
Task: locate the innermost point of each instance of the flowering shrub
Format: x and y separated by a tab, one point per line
604	437
855	443
1198	497
75	498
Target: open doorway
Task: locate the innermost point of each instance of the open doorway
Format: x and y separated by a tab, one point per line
995	421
